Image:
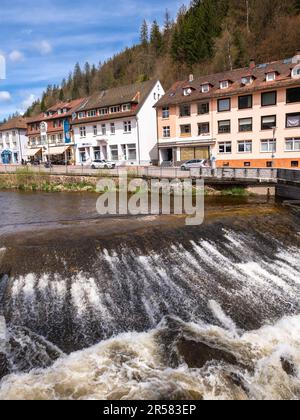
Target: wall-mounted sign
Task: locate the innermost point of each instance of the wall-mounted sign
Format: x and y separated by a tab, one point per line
67	131
43	128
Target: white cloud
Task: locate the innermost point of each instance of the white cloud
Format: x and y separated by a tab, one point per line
15	56
28	101
5	96
44	47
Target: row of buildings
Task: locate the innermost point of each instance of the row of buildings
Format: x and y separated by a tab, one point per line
248	117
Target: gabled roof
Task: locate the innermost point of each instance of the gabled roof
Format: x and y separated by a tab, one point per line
14	123
283	68
137	92
71	106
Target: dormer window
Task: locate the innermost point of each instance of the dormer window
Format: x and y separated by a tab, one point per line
92	113
187	91
271	77
205	88
59	111
247	80
224	84
81	115
296	72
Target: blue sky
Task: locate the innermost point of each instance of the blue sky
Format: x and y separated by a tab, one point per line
42	40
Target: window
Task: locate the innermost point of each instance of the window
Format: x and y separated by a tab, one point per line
247	164
97	153
131	151
245	102
115	109
103	129
81	115
296	72
166	112
112	128
203	128
126	107
268	146
293	120
205	88
271	76
82	155
269	98
268	123
95	130
103	111
185	130
166	132
203	108
292	95
185	110
82	132
247	80
224	84
245	146
224	105
292	145
114	152
187	91
245	124
225	147
60	137
224	126
295	164
92	113
127	126
269	164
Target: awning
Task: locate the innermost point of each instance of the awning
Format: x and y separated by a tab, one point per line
33	152
54	151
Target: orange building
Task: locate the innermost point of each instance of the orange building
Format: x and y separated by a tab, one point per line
247	117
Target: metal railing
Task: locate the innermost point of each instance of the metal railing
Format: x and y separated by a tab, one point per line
269	174
292	175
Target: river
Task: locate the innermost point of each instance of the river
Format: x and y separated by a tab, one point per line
145	307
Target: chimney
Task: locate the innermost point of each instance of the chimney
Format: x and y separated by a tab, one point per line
191	78
252	64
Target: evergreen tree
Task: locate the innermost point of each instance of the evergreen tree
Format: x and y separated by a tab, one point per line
156	38
144	34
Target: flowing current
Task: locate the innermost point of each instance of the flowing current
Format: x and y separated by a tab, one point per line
211	312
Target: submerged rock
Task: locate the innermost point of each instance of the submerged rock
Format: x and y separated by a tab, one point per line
4	367
288	366
197	354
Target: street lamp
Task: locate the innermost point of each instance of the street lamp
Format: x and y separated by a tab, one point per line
273	146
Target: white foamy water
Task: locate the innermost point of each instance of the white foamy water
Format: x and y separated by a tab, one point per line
213	286
130	367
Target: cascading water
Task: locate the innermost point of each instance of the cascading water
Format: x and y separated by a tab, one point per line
204	312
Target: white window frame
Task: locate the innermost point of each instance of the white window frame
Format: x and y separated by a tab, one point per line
225	144
205	88
245	143
95	130
166	113
112	129
271	145
166	132
294	140
82	131
271	77
81	115
92	113
127	127
224	84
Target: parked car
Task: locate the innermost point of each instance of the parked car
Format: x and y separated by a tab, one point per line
196	163
103	164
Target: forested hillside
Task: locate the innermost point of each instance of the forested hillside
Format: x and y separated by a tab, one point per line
209	36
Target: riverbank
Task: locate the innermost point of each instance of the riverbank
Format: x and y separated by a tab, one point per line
26	180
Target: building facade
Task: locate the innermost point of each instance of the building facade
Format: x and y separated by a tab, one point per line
119	125
242	118
51	144
13	141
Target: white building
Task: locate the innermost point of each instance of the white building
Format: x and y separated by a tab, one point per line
13	141
119	124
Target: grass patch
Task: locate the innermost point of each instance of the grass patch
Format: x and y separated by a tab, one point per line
235	191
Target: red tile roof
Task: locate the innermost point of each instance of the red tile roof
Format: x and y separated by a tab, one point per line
283	68
14	123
